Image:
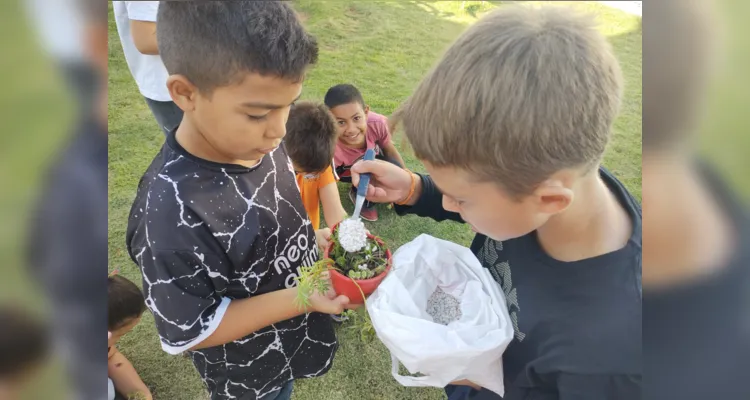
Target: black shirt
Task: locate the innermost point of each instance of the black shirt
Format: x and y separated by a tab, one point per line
204	234
697	335
68	254
577	324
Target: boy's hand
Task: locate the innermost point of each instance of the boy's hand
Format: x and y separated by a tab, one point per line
330	303
466	382
388	183
327	304
323	237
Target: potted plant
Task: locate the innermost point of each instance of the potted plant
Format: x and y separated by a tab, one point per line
353	274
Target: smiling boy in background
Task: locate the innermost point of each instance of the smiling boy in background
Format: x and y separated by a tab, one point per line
359	129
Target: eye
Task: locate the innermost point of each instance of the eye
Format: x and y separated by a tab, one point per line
257	117
357	118
341	123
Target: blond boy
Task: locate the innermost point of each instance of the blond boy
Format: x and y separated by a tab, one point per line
512	125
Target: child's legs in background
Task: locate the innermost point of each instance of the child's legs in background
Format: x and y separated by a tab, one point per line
166	113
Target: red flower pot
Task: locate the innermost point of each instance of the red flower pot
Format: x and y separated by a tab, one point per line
345	285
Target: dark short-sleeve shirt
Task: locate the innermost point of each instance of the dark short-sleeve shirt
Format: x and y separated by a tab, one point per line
577	325
697	334
205	234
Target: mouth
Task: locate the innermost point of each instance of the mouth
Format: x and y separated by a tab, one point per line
268	150
352	137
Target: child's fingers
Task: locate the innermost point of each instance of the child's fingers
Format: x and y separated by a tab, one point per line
343	300
355	178
350	306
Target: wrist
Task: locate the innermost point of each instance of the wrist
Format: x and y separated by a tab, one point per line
407	199
417	190
298	306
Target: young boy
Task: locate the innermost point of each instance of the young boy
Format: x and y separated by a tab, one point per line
24	346
125	305
310	141
512	125
359	129
217	227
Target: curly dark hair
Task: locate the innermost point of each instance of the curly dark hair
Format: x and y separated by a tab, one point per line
124	302
310	136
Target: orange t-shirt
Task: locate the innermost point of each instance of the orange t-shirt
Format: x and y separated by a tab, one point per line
309	188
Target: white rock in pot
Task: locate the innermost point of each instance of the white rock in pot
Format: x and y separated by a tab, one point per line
352	235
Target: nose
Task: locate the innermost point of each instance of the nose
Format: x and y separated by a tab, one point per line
276	127
351	129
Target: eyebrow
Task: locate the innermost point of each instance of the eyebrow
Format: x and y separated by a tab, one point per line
268	105
357	113
443	191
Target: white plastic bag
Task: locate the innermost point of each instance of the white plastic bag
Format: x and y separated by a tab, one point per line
468	348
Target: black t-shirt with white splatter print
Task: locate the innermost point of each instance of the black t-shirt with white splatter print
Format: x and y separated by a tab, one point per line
205	234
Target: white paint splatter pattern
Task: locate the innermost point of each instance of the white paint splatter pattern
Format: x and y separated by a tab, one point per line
201	234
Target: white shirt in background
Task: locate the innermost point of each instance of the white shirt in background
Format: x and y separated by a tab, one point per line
58	24
147	70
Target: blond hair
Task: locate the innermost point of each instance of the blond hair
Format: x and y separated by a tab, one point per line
523	93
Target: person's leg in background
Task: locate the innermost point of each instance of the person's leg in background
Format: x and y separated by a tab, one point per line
167	114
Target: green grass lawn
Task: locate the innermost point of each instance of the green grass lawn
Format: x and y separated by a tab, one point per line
383	49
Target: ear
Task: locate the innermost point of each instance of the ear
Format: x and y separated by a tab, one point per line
367	109
553	197
182	91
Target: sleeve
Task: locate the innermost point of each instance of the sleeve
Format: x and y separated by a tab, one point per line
326	178
599	387
430	203
184	291
382	135
143	10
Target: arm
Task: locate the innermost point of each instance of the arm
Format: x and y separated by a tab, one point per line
333	211
144	36
184	292
125	377
391	152
391	184
246	316
427	202
142	16
466	382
